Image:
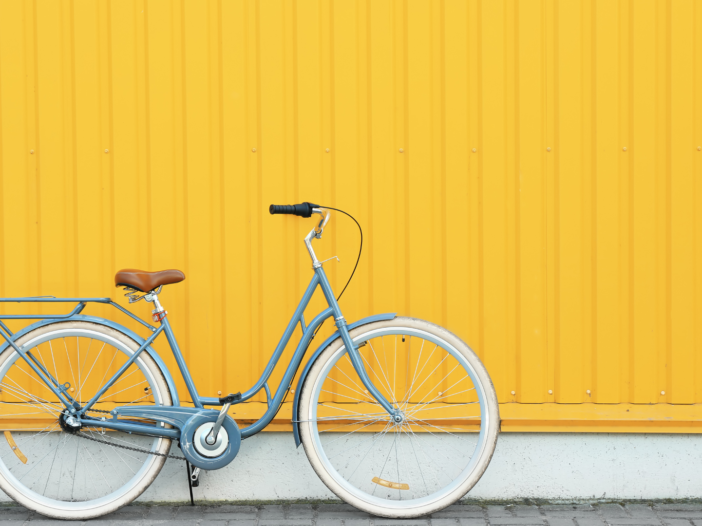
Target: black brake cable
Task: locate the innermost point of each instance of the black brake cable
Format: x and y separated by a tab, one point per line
360	250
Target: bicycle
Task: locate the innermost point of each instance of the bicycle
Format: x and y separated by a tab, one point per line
396	415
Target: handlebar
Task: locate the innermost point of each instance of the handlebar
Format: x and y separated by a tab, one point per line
302	210
306	210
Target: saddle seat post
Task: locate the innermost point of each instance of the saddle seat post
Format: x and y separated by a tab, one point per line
159	312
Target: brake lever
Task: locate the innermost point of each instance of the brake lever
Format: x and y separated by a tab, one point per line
319	229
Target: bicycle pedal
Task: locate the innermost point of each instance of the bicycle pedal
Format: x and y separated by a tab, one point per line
230	398
195	478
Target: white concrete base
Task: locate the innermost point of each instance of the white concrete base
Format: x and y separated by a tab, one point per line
561	466
535	466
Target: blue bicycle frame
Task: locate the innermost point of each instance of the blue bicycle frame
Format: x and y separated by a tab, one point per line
274	403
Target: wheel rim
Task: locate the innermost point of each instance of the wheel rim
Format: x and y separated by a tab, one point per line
351	469
108	473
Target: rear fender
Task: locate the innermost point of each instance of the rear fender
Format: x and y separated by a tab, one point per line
310	363
116	326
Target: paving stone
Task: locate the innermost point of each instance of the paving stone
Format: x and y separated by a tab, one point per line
299	511
128	512
243	522
170	523
400	522
570	514
272	512
498	511
326	522
336	507
567	507
457	511
356	522
691	514
285	522
677	507
612	511
161	512
187	512
13	513
640	510
678	522
468	507
639	521
229	512
444	522
457	514
560	522
525	511
207	522
471	522
527	521
590	522
332	514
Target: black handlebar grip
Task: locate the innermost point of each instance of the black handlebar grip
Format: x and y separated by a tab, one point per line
302	210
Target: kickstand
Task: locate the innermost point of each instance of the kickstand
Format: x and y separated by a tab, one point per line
190	483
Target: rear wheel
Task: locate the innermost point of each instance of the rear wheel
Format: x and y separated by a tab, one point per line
446	438
66	475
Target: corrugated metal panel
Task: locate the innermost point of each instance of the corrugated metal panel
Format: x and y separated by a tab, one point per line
525	173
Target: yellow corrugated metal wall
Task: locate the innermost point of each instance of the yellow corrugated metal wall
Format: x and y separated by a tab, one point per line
526	172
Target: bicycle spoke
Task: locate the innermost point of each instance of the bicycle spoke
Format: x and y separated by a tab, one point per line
414	439
451	406
440	381
79	382
98	467
92	367
390	391
441	396
350	411
352	432
37	381
19	390
385	357
414	376
74	470
414	448
347	387
419	464
394	442
351	397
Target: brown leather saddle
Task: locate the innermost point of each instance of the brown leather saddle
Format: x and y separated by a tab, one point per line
144	281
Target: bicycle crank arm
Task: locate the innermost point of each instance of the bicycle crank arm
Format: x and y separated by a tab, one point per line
212	437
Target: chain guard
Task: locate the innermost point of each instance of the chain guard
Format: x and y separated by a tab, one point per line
187	420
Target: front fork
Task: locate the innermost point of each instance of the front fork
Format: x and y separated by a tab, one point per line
355	356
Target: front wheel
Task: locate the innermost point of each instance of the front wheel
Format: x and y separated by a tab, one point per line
446	438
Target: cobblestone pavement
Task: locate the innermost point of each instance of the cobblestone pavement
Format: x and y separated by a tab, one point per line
343	515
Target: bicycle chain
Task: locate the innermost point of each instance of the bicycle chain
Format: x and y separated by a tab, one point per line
138	450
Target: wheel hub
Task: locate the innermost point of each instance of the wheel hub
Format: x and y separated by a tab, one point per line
69	423
201	443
